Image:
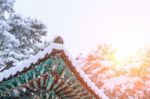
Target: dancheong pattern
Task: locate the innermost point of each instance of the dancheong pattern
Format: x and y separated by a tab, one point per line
52	77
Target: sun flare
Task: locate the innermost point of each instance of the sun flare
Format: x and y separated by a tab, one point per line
125	51
127	46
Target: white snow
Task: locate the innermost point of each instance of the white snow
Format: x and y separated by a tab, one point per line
20	66
85	77
11	37
111	83
106	63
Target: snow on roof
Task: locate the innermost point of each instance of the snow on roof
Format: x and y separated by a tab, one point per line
98	91
25	64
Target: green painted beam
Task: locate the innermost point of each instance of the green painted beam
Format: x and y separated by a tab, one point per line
52	66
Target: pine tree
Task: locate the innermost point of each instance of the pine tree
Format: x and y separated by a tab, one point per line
8	44
20	37
29	32
7	40
6	6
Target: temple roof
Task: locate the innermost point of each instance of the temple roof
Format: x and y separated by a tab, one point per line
54	49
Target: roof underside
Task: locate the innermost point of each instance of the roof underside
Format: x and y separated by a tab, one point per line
58	52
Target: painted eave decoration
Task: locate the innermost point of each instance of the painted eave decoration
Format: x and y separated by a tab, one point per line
51	74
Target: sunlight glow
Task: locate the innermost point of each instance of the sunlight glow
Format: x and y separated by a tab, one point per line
125	51
128	46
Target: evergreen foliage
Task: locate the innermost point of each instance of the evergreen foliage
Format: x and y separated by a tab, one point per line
20	37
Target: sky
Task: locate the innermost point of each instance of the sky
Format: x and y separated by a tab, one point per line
84	24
